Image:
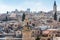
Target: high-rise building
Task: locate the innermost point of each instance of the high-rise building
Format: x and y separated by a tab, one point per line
28	10
55	10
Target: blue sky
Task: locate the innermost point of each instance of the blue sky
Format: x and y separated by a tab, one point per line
34	5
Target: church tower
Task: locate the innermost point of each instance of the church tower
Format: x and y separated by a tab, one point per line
55	10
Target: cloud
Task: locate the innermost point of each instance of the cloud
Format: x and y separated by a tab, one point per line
34	5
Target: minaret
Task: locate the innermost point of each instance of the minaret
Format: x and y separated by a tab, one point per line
55	10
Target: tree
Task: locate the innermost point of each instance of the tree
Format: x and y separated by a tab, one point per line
33	24
55	16
59	19
23	17
7	16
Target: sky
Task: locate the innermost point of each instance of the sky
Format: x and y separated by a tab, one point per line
34	5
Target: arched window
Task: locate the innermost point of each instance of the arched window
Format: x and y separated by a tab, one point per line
33	34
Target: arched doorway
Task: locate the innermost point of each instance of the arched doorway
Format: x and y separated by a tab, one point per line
37	38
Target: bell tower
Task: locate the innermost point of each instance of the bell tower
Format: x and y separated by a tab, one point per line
27	32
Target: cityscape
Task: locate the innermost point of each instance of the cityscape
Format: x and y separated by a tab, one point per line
27	25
